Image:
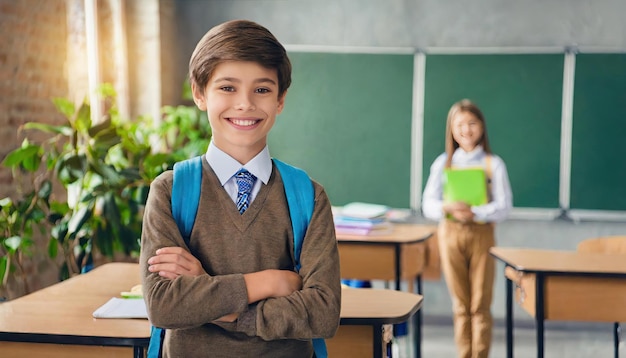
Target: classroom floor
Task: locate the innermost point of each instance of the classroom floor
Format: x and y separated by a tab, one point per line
589	342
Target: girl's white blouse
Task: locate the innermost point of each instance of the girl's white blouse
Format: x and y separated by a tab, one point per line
501	196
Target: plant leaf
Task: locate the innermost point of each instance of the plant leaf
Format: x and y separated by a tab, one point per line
53	248
59	231
97	128
48	128
4	269
64	106
104	242
83	118
28	157
71	167
141	194
5	202
107	90
13	243
79	218
105	139
107	172
45	191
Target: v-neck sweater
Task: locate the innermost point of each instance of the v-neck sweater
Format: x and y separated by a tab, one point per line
228	245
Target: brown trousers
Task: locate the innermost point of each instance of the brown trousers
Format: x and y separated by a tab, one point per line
469	272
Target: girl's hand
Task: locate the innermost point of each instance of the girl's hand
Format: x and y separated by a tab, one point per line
449	208
460	211
171	262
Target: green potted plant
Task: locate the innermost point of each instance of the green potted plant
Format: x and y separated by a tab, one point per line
104	169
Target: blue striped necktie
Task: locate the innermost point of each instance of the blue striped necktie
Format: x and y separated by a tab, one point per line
245	182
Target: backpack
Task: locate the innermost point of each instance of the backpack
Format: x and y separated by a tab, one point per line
186	197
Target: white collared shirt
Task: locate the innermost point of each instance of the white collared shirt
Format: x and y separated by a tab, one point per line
225	167
501	196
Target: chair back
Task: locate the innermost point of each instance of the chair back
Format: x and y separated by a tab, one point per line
605	245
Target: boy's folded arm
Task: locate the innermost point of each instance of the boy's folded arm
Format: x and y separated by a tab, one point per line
260	285
186	302
173	262
181	302
313	311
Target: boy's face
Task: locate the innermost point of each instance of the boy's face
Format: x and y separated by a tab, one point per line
241	100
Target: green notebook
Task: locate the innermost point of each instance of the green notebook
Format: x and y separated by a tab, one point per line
467	185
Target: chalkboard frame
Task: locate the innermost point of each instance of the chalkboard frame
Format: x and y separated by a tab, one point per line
481	77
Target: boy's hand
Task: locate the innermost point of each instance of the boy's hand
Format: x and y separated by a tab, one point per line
171	262
286	282
228	318
271	283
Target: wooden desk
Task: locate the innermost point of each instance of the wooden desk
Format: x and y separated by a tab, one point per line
364	311
59	319
563	286
399	255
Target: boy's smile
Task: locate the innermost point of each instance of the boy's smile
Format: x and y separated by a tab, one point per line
241	100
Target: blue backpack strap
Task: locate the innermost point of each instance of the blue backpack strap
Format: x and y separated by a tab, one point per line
301	201
185	200
156	342
186	194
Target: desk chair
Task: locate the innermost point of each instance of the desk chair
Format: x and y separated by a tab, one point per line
606	245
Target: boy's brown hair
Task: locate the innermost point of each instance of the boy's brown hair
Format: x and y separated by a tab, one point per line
464	105
239	40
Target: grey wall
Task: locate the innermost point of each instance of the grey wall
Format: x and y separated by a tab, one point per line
421	23
435	23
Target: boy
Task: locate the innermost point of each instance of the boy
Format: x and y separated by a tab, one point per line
233	291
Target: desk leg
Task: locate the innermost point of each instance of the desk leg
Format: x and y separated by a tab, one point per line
398	267
616	338
398	276
417	338
138	352
509	318
540	314
378	341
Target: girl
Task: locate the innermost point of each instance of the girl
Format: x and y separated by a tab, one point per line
466	233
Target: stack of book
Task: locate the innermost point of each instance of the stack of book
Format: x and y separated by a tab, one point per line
361	219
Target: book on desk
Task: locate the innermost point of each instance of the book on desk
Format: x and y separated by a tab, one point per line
129	305
362	219
122	308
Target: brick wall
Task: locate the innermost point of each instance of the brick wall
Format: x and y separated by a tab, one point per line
32	70
43	56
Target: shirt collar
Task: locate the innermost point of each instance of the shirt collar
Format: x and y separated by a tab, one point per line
226	166
475	153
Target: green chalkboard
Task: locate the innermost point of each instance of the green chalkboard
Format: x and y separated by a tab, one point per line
520	96
347	122
598	134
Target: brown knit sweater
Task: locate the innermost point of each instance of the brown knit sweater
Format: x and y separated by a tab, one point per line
228	245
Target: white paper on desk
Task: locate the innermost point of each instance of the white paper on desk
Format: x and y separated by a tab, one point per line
122	308
364	210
